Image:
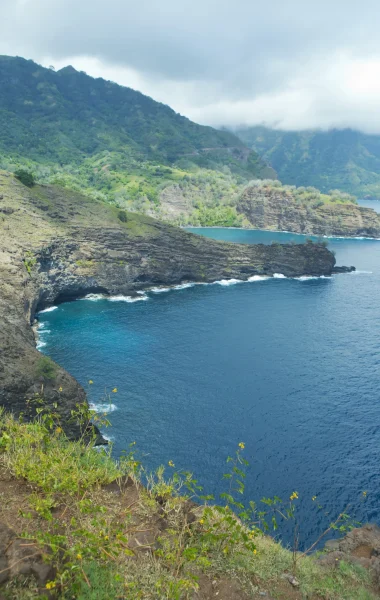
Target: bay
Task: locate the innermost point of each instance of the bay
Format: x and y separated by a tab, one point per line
290	367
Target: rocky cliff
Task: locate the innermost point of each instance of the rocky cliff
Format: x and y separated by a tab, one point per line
57	245
277	209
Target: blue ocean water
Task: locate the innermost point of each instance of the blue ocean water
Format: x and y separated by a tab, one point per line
290	367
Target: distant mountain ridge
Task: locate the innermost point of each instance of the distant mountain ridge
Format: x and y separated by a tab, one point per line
100	137
337	159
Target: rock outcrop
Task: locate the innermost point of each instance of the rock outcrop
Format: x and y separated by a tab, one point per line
57	245
277	209
361	546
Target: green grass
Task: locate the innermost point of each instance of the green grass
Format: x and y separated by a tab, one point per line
89	530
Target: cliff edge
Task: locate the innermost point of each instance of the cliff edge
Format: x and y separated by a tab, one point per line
56	245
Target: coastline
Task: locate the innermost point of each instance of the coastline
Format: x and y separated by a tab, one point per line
306	235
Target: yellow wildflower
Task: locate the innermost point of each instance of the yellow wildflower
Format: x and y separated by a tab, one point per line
114	390
58	430
242	445
60	389
294	496
202	521
314	498
90	381
364	494
171	463
79	556
50	585
255	551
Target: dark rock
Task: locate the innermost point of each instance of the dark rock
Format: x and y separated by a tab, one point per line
22	557
343	269
360	546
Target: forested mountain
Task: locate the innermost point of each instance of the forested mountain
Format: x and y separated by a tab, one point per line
343	159
112	141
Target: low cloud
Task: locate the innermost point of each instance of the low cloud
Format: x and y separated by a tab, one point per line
293	65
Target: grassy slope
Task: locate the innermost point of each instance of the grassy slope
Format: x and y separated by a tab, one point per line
111	540
342	159
111	141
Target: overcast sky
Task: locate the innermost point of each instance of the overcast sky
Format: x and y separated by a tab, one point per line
293	64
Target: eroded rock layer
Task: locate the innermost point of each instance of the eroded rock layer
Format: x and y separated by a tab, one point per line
276	209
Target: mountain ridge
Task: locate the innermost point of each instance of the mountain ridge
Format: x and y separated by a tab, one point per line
343	159
112	142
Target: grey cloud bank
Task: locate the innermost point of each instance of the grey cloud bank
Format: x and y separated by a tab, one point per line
289	64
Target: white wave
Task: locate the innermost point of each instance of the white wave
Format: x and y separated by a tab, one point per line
359	273
183	286
46	310
310	277
40	344
279	276
160	290
258	278
141	293
94	297
121	298
42	331
103	407
227	282
109	438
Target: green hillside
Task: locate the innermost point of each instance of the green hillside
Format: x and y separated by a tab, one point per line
111	141
344	159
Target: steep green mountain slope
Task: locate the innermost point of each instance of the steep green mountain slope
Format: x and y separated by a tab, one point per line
343	159
96	136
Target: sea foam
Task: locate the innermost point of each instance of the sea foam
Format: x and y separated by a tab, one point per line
94	297
227	282
310	277
103	408
46	310
121	298
257	278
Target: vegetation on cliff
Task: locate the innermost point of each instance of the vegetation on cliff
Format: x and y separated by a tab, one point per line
270	205
76	523
344	159
225	214
110	141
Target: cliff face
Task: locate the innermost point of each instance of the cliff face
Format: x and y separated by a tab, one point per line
56	245
277	209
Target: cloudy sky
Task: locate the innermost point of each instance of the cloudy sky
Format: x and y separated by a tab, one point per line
293	64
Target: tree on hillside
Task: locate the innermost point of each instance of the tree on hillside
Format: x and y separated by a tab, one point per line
25	177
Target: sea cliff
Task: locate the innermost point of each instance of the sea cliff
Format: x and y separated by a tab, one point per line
280	209
58	245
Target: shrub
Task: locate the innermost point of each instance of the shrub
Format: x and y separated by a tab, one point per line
122	216
25	177
46	368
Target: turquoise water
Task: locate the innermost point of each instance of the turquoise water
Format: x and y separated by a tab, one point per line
290	367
